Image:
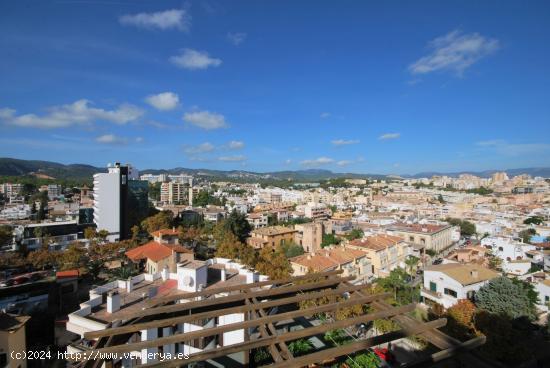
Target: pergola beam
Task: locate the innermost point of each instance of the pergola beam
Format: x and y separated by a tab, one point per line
233	326
360	345
180	307
245	308
289	336
241	287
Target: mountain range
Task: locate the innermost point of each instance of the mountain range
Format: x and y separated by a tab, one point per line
17	167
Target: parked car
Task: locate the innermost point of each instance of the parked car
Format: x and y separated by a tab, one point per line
419	272
20	280
37	276
438	261
6	283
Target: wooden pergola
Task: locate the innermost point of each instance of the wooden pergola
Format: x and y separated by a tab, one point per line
264	305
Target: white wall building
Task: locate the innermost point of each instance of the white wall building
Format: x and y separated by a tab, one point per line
107	194
445	284
111	302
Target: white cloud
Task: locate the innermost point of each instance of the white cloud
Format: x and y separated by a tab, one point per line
201	148
317	162
194	60
288	161
343	163
205	119
236	38
235	158
163	101
455	52
325	115
111	139
387	136
77	113
139	139
343	142
169	19
505	148
235	145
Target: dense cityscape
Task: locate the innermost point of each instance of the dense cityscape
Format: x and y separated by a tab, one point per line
476	251
274	184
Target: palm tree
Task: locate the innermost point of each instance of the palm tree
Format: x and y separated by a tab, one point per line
412	263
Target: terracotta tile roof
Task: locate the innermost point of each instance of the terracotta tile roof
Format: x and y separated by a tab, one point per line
328	258
377	242
155	251
272	231
68	273
164	232
316	263
465	274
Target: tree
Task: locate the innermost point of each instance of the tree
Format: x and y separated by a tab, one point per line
135	232
355	234
461	319
11	259
94	268
536	220
103	234
273	263
6	235
292	250
329	239
394	281
412	262
503	296
42	258
90	233
162	220
73	257
440	199
466	227
238	224
41	215
527	234
230	247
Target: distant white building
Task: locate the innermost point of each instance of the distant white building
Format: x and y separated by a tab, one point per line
18	212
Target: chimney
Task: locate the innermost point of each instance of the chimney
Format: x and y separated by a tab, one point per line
113	301
474	274
129	285
223	274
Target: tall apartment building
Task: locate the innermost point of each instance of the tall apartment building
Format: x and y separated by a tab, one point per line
173	193
120	201
11	191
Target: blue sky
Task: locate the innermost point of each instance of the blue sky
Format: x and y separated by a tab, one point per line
351	86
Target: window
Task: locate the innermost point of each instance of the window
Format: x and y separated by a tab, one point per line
411	238
547	298
450	292
433	286
471	294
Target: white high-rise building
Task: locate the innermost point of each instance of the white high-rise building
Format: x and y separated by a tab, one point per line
107	188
